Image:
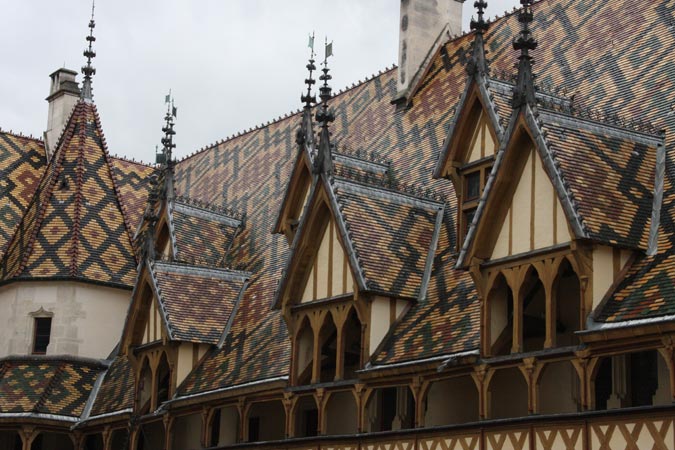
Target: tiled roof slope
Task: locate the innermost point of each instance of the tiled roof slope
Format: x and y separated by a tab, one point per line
75	225
202	235
132	179
197	301
116	392
611	177
393	235
46	385
611	54
22	162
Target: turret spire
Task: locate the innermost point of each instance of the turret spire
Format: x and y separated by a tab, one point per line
89	70
525	42
478	61
309	99
324	160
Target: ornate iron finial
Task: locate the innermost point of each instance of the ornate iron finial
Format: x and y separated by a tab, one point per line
478	63
323	161
305	133
525	42
309	99
165	157
89	70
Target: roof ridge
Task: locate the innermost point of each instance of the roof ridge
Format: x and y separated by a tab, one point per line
49	388
132	160
21	135
218	209
386	184
285	116
600	116
79	184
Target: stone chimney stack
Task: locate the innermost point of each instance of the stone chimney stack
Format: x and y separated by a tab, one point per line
63	95
422	23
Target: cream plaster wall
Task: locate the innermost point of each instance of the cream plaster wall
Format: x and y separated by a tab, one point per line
483	143
379	321
558	389
87	320
452	401
339	281
229	424
153	327
534	202
187	432
184	364
341	414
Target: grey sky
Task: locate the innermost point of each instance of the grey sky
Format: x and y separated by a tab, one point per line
230	64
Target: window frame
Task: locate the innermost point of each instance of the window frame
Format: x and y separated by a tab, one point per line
36	320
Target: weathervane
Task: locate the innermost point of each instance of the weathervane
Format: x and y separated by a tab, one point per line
165	156
309	99
89	70
324	161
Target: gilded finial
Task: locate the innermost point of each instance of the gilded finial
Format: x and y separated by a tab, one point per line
309	99
88	71
324	160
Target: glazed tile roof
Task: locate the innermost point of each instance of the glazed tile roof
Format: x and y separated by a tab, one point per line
132	178
22	162
203	235
46	385
197	301
116	392
392	235
610	172
75	226
616	55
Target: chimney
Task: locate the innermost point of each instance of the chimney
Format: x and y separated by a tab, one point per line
422	24
63	95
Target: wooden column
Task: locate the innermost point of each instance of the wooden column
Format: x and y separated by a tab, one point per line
168	422
107	438
669	357
420	389
340	318
206	416
243	408
321	400
28	435
482	375
289	402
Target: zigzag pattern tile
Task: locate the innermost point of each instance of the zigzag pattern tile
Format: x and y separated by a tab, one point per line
46	386
133	180
22	162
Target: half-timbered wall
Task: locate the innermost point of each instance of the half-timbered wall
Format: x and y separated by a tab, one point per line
383	312
153	327
483	143
330	275
535	219
189	355
607	265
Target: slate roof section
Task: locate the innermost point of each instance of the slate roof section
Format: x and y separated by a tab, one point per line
75	226
46	385
116	392
22	162
198	302
203	235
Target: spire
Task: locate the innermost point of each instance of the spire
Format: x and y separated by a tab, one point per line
478	63
524	90
165	157
147	245
324	160
305	134
89	70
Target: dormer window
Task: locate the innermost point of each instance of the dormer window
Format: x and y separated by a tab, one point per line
474	176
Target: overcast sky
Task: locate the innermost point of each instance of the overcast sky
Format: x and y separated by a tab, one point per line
231	64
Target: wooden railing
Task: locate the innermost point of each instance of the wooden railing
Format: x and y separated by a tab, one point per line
634	429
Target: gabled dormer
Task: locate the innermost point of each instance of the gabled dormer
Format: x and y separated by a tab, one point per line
474	135
572	198
186	295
